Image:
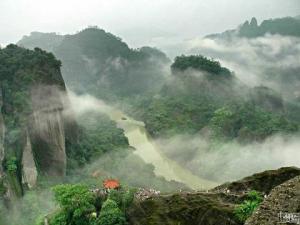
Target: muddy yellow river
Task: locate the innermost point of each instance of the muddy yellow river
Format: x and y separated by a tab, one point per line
138	138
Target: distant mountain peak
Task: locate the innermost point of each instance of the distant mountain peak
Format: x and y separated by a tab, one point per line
286	26
253	22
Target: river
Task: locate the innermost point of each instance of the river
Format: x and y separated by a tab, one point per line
145	148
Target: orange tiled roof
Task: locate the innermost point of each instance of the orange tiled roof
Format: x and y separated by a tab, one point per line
111	184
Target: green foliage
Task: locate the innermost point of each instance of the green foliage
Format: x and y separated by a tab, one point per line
248	122
110	214
11	165
221	122
96	135
245	210
201	63
168	116
78	206
213	106
123	197
59	218
76	202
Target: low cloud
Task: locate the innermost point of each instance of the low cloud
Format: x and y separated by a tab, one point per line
231	161
81	104
251	59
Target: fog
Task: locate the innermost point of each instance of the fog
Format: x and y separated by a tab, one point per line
221	162
251	58
231	161
164	23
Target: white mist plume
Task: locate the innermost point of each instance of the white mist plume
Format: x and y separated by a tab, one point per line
81	104
249	58
231	161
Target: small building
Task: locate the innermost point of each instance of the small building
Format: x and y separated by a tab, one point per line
111	184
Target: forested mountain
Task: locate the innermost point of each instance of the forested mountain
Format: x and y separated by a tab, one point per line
261	55
101	64
198	92
204	95
32	124
43	141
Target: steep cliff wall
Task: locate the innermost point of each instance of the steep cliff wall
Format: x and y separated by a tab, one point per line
47	130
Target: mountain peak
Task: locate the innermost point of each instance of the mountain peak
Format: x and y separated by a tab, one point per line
253	22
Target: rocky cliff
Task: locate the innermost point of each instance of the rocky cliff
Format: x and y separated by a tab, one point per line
281	206
47	130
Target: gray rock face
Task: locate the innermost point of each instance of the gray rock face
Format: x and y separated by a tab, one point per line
284	200
29	177
47	130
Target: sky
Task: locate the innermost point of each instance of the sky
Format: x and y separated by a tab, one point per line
159	23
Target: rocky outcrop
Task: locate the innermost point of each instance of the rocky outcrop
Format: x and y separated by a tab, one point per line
32	127
28	165
184	209
263	182
280	206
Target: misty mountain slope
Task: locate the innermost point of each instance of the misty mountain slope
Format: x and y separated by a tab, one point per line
288	26
99	63
45	41
267	54
203	95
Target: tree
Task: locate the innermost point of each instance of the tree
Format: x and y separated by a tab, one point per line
76	202
111	214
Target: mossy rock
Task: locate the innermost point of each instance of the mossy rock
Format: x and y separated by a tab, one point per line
263	182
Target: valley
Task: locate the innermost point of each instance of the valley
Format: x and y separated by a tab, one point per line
96	132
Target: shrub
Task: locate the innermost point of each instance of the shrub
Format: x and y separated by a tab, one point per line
110	214
245	210
11	164
76	202
123	198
